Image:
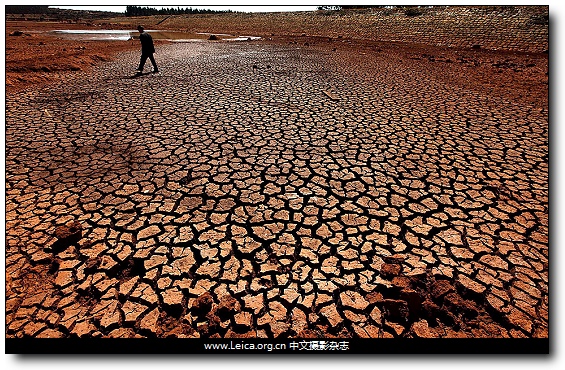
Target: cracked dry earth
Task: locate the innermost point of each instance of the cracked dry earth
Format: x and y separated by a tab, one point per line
253	190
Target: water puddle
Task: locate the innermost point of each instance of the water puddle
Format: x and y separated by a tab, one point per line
115	35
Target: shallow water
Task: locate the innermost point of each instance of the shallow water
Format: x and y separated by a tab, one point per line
109	35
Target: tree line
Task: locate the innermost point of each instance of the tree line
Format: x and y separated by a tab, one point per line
27	9
135	11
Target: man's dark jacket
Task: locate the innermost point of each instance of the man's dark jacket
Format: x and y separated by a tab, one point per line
146	43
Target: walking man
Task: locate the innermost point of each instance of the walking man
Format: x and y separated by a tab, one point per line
147	50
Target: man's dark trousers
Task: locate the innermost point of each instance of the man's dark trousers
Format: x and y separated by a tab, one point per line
144	59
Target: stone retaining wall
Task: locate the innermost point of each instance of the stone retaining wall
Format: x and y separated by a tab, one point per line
516	28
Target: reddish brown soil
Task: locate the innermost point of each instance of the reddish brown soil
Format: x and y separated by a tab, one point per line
515	75
37	57
519	79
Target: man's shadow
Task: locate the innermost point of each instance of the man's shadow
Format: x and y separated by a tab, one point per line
140	74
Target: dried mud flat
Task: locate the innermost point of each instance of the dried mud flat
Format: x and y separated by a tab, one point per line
299	188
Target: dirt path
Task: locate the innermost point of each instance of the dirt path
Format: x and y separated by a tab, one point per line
282	190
